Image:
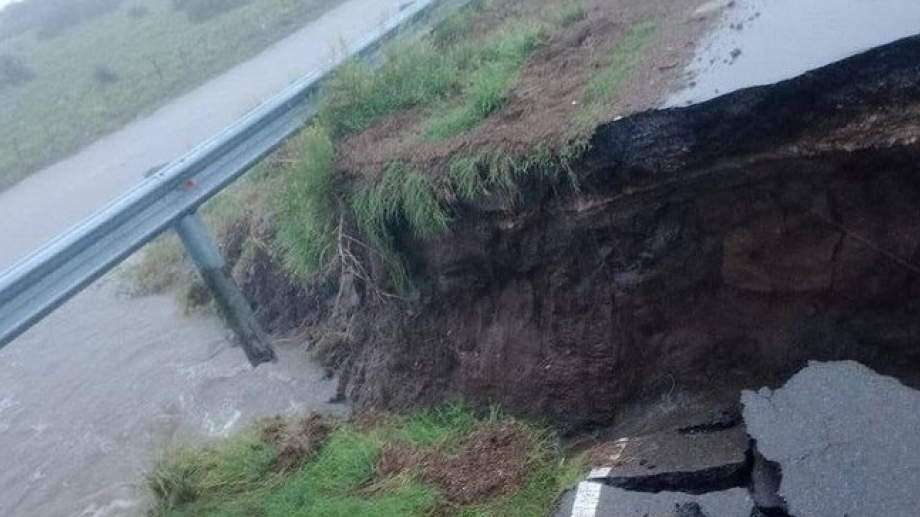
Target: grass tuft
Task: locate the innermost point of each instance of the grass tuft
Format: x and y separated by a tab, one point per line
466	178
403	201
163	265
492	71
412	75
308	206
199	479
453	29
436	426
425	216
499	171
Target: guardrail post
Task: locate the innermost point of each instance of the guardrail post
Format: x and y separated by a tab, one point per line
231	302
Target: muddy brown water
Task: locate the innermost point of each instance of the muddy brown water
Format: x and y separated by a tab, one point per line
88	396
765	41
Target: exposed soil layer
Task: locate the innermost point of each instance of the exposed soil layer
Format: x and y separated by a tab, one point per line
550	90
492	461
709	248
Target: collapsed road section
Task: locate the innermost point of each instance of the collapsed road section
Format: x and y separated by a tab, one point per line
838	439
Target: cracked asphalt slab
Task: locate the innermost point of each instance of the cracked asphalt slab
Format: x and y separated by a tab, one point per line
837	440
846	438
676	461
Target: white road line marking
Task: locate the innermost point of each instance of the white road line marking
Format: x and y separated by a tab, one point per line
599	474
587	499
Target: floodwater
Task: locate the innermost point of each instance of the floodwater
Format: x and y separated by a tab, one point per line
92	393
765	41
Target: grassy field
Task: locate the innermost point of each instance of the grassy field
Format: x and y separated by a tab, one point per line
98	75
447	462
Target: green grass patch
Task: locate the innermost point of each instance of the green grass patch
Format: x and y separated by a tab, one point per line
190	478
308	205
235	477
490	73
100	74
315	208
162	266
438	426
614	70
416	74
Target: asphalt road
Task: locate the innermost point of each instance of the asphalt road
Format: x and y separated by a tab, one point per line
91	394
761	42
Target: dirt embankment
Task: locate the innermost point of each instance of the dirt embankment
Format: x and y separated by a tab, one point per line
708	248
540	109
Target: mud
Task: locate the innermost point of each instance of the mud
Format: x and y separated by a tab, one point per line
708	249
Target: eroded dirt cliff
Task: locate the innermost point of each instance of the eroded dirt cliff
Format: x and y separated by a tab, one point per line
707	248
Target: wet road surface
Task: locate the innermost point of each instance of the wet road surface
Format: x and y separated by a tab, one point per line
765	41
89	395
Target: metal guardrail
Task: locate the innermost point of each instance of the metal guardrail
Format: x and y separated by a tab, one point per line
47	278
